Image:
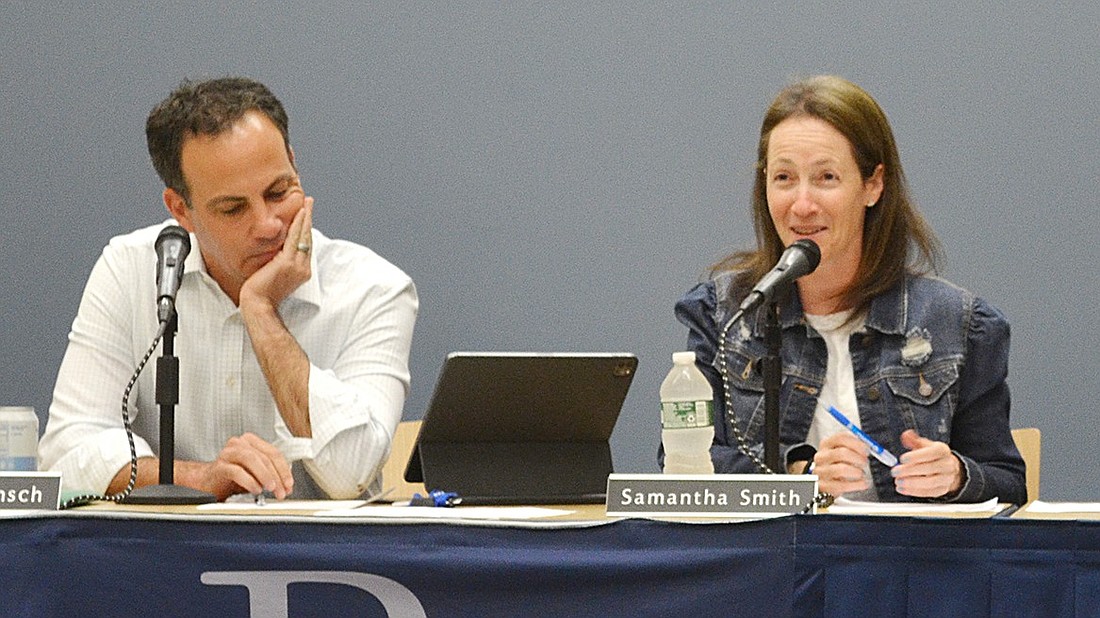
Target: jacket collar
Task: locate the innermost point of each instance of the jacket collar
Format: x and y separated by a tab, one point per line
887	314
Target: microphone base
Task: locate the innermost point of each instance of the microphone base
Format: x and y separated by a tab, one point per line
168	494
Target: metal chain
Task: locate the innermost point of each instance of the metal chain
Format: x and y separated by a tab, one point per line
821	499
723	370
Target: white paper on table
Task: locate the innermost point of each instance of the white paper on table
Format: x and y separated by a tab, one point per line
281	505
844	506
19	513
1040	506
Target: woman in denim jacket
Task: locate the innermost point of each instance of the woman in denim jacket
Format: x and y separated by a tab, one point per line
917	362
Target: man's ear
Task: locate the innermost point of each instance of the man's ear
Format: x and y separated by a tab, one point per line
178	208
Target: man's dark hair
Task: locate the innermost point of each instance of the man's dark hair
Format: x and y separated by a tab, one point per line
204	108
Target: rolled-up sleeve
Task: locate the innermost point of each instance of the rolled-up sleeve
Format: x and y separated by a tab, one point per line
355	403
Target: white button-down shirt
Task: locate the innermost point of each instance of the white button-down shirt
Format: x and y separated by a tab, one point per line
354	319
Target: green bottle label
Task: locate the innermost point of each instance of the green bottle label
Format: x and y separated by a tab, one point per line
687	414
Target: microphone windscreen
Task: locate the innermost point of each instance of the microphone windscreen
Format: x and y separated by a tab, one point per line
812	251
174	232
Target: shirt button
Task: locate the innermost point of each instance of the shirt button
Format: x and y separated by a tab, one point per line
231	381
874	393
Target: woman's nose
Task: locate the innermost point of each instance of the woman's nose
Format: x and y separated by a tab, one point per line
804	203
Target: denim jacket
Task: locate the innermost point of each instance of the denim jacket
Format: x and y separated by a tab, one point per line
930	357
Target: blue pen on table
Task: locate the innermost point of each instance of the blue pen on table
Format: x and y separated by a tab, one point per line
879	453
436	497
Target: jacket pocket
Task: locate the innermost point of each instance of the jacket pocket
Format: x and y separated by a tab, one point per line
744	372
924	386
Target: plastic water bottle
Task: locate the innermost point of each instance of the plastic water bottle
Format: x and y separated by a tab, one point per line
687	417
18	439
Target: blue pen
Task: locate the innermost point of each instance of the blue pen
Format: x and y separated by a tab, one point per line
881	454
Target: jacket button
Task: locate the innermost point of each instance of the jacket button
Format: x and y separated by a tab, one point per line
874	393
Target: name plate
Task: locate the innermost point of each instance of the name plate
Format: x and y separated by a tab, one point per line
30	490
710	495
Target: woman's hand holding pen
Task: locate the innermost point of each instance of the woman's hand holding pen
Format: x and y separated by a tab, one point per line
928	470
839	464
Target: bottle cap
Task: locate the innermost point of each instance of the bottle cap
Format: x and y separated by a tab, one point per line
682	358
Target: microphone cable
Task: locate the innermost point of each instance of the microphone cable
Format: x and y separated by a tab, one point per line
723	370
83	499
822	498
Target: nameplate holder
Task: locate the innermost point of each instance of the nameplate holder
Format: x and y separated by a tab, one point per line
727	496
30	490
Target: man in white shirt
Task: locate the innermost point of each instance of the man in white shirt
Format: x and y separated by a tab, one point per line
292	347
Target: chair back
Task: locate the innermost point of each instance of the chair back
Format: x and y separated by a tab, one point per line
393	471
1029	441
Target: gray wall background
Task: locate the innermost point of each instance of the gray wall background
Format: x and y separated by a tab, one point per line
555	175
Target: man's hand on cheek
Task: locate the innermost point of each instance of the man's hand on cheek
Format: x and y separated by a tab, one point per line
289	269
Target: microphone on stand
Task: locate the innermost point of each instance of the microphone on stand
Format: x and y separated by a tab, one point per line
799	259
172	246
